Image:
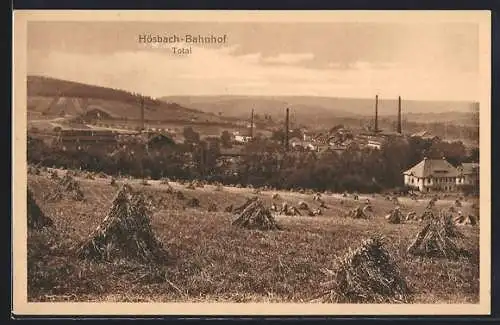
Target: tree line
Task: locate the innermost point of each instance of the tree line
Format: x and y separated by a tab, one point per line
262	162
45	86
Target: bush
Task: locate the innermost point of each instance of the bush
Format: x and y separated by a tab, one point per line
469	189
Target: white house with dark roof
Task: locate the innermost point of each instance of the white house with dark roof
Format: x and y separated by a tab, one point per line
433	175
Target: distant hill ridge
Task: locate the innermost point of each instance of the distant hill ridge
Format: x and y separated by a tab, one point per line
47	86
340	105
313	110
46	92
307	110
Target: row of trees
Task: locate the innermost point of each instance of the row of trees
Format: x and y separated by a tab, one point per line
263	162
355	169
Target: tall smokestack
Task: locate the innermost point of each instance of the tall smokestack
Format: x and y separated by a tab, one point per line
399	115
287	118
142	113
376	114
251	125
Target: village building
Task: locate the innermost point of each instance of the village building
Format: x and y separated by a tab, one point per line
374	144
242	139
425	135
306	137
295	140
297	143
300	144
159	141
238	138
470	173
371	141
153	143
230	158
432	175
83	137
322	138
95	113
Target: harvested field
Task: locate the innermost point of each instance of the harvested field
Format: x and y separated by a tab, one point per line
211	260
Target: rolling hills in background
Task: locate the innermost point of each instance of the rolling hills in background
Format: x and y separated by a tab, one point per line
325	110
52	97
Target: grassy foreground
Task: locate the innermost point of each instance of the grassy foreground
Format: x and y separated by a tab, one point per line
212	261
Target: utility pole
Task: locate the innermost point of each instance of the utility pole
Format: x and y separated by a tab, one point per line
399	115
287	120
202	160
376	115
142	113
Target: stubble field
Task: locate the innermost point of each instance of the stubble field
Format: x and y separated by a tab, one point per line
211	260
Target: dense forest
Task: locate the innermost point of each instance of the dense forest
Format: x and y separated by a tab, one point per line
45	86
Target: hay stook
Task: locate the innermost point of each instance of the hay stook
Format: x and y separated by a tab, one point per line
395	216
427	215
359	213
229	208
193	203
254	215
180	195
411	215
212	207
67	187
242	207
53	174
314	212
437	239
367	275
169	187
125	233
287	210
464	220
33	170
89	175
36	218
303	205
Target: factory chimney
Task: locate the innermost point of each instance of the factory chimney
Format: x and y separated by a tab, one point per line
376	114
399	115
142	113
287	118
251	125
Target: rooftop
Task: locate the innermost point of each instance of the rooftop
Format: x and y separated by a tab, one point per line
156	138
433	167
424	135
469	168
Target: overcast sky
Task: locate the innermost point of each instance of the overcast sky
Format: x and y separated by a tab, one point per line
417	61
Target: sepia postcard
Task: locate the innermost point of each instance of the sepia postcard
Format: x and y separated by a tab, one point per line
251	163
